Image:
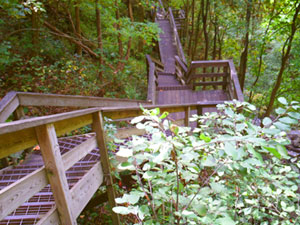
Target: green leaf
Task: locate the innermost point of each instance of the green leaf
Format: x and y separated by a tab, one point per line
282	150
225	221
280	111
283	101
209	161
201	209
124	152
216	187
205	138
288	120
254	153
137	119
126	166
273	151
266	121
230	149
282	126
164	115
294	115
121	210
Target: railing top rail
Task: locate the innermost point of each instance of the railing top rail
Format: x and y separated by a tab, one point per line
178	43
38	121
236	82
162	6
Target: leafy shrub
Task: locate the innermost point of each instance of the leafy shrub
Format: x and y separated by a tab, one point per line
227	171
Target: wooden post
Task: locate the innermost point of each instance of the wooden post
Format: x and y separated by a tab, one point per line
100	136
199	112
19	113
225	79
47	140
187	116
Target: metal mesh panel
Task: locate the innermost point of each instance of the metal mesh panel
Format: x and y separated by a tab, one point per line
38	205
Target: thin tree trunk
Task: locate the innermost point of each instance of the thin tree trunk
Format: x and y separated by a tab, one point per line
77	27
99	39
120	44
204	14
244	55
192	31
130	14
186	23
35	32
197	35
284	58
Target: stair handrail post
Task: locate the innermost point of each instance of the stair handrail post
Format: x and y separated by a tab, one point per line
176	36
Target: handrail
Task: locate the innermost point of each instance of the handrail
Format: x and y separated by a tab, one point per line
13	101
237	93
162	7
19	135
151	93
231	84
8	105
176	36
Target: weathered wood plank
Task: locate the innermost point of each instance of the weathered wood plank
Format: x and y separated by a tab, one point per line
208	75
56	173
208	83
16	194
36	99
235	81
100	136
50	218
8	105
84	189
176	37
19	113
187	116
209	63
21	139
37	121
151	82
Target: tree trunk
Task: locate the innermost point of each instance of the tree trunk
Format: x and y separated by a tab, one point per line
99	39
197	35
204	14
120	44
192	31
244	55
77	27
284	58
35	33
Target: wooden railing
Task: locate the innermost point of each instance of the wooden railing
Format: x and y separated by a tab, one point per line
151	93
176	37
14	102
218	72
44	131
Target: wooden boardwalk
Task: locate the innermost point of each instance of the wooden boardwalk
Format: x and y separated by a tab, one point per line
169	89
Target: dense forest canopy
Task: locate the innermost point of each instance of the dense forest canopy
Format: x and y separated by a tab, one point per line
97	47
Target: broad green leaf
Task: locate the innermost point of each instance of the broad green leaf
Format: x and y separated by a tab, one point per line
137	119
294	115
266	121
282	150
205	138
201	209
121	210
288	120
254	153
124	152
282	126
209	161
126	166
143	210
225	221
216	187
164	115
273	151
230	149
280	110
283	101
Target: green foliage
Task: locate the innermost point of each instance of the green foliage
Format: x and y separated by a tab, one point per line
227	171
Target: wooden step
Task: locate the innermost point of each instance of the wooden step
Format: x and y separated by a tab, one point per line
173	87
